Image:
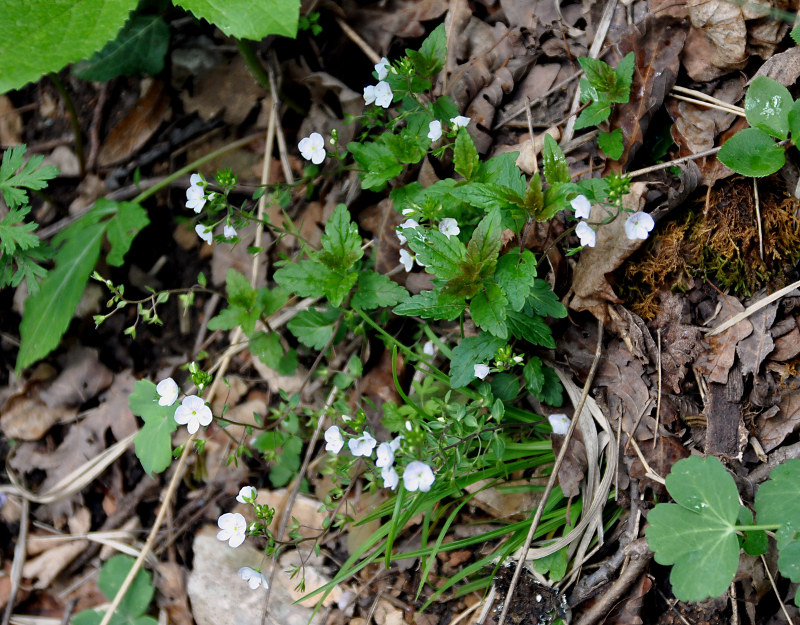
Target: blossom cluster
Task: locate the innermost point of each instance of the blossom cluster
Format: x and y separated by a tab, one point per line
637	226
380	94
193	411
233	530
196	199
416	475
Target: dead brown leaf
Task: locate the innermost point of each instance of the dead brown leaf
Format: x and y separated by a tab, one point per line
82	378
627	393
505	505
753	349
775	425
783	67
10	123
138	126
720	25
28	419
45	567
680	340
212	92
786	346
716	361
171	596
397	18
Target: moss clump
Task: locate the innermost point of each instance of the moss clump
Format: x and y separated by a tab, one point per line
718	240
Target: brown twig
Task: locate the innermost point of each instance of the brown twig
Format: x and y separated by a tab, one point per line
20	552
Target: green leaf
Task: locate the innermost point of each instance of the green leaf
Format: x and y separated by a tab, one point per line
611	143
473	350
266	346
696	534
534	198
153	443
767	105
238	288
432	305
754	542
795	35
554	163
533	375
778	502
140	48
305	278
556	564
431	56
140	593
484	245
376	290
16	175
794	122
530	327
336	286
245	19
465	155
488	310
752	152
505	386
544	302
621	90
378	163
409	146
515	273
15	233
502	171
600	75
314	328
41	36
593	115
48	313
341	243
122	228
552	392
441	255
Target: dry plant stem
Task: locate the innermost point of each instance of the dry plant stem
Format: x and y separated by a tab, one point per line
648	469
552	480
356	39
282	149
710	105
151	537
734	605
20	551
466	613
775	590
677	161
638	557
658	400
753	309
758	219
269	141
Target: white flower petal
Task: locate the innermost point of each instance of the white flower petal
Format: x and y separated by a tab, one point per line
168	392
383	94
384	455
435	130
333	439
418	476
390	477
204	233
382	68
312	148
449	227
247	494
229	231
460	121
407	260
639	225
481	371
586	234
559	422
581	206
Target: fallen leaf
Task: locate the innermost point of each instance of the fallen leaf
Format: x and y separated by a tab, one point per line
627	393
786	346
28	419
753	349
502	504
783	67
397	19
716	361
775	425
82	378
720	25
680	340
211	96
171	596
10	123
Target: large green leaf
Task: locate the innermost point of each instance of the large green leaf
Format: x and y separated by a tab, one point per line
246	19
341	243
140	48
696	534
48	313
123	228
471	351
376	290
41	36
488	310
752	152
767	105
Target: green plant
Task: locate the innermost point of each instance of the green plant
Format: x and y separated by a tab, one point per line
772	114
131	610
702	534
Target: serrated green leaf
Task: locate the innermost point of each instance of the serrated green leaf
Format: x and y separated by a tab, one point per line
533	375
409	145
266	346
140	593
502	171
15	233
795	35
778	502
534	198
314	328
48	313
484	245
488	310
16	175
554	163
530	327
593	115
473	350
245	19
376	290
621	90
544	302
341	243
153	443
441	255
432	305
752	152
378	163
122	228
270	301
696	534
552	392
139	48
465	154
336	286
238	288
600	74
767	105
41	36
611	143
305	278
515	273
431	56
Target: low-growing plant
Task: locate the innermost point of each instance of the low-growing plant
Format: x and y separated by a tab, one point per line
702	534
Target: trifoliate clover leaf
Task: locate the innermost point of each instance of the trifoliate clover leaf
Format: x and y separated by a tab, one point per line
696	534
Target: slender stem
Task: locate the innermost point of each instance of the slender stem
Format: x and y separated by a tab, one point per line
253	63
73	117
752	528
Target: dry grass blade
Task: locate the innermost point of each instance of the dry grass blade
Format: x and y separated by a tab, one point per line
753	308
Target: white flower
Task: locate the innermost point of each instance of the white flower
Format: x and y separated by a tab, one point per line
253	577
449	227
435	130
196	180
382	68
428	349
168	391
193	413
639	225
408	223
369	94
395	442
390	477
586	234
247	494
407	260
582	207
418	476
333	439
312	148
363	445
559	423
195	198
384	455
481	371
232	528
229	231
383	94
460	121
204	233
409	211
518	359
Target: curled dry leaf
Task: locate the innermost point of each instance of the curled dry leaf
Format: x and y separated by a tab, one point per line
718	41
680	339
778	422
398	18
753	349
716	361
